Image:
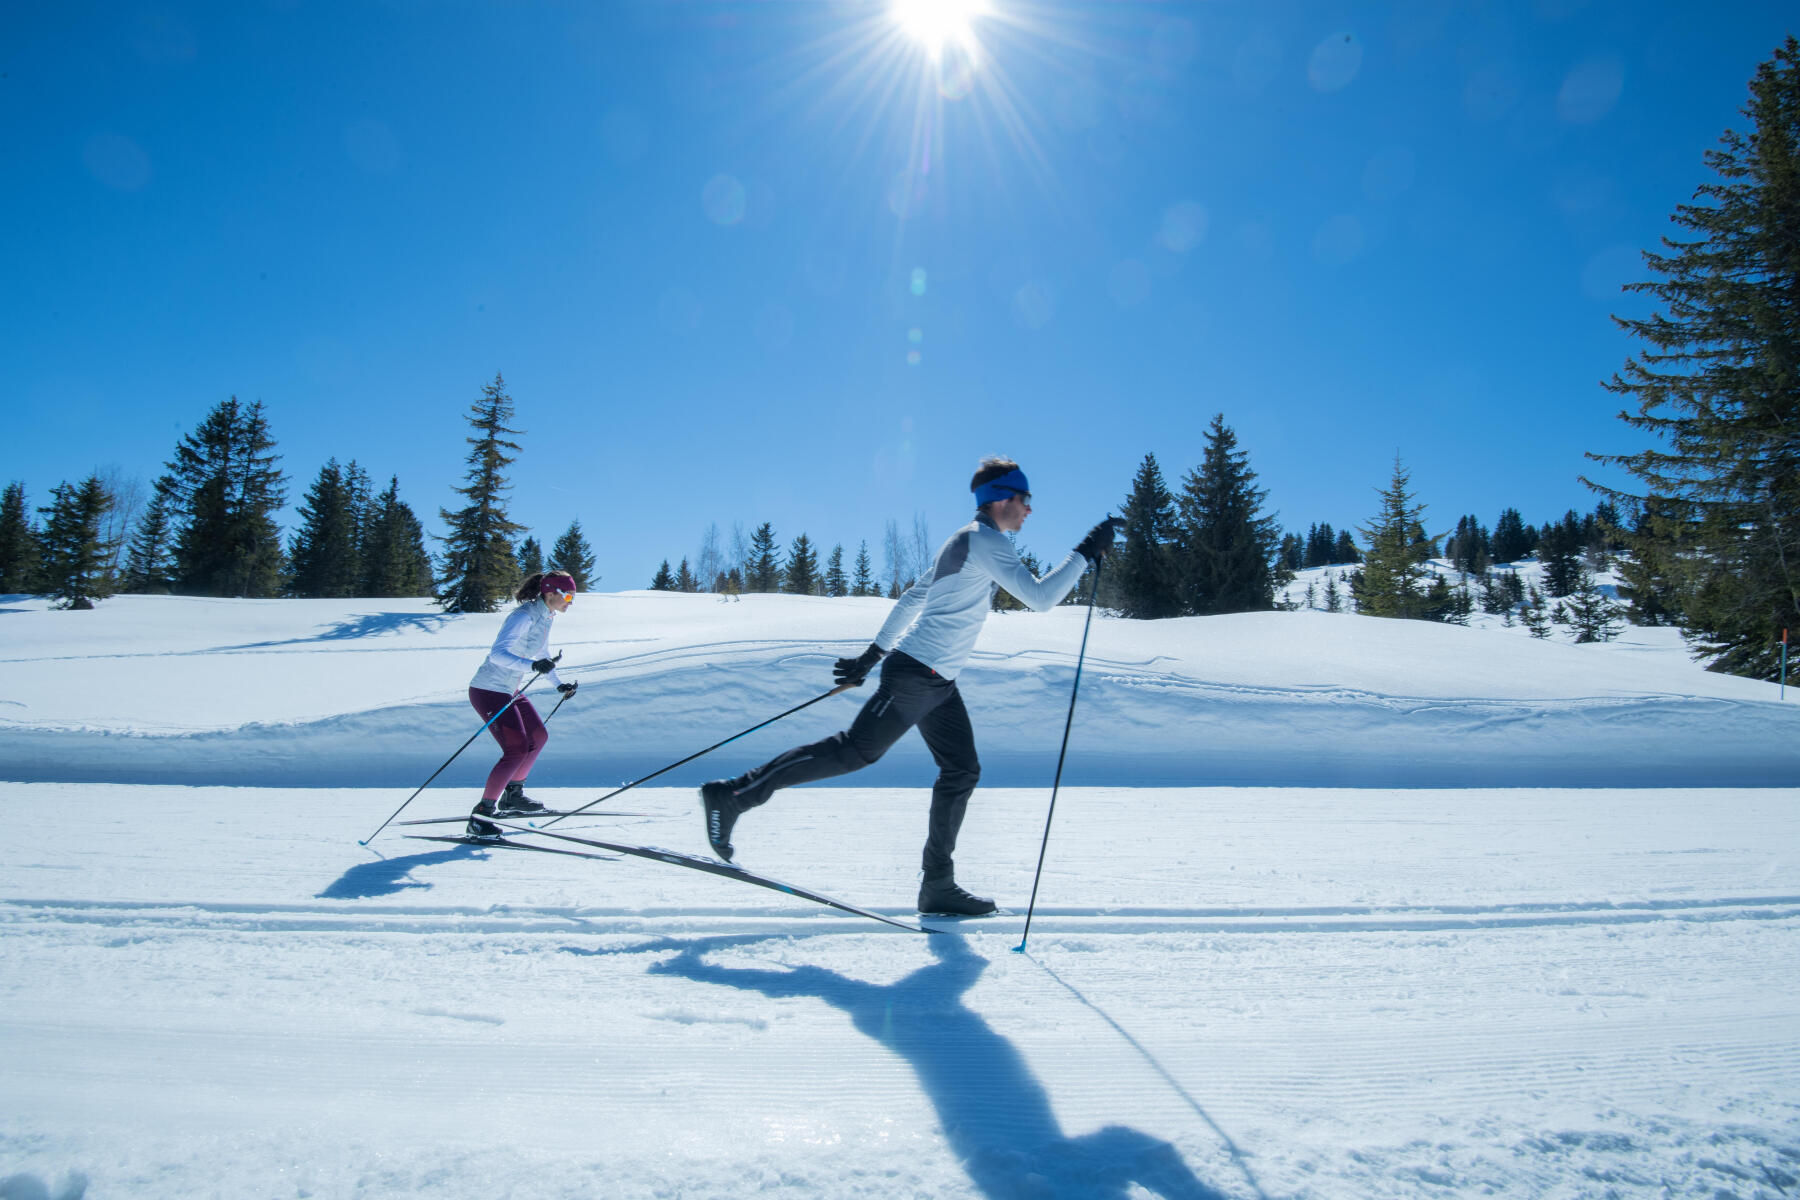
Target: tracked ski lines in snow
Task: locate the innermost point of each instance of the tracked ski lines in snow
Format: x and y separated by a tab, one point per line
1072	921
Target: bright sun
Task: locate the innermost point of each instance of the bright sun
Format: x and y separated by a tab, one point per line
932	23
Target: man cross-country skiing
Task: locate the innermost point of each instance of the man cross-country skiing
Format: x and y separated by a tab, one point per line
926	639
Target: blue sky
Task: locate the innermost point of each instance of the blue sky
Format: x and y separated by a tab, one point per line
769	262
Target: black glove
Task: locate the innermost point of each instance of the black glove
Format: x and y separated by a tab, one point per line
567	689
543	666
1099	539
853	671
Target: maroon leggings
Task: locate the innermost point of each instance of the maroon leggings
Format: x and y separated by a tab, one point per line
520	732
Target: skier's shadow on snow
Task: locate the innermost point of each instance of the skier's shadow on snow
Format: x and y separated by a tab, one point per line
389	876
992	1109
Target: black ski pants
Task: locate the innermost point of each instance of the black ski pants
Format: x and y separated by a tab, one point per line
910	694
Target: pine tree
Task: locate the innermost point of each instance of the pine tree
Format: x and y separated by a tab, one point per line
531	557
685	579
1227	548
359	498
1534	613
420	580
1592	616
18	543
1501	592
1461	603
1559	550
664	580
226	492
1322	546
74	546
1715	384
1510	540
323	554
801	575
571	553
1334	598
150	563
394	559
1344	549
1602	535
1391	582
1144	583
762	569
478	568
1647	576
862	583
1292	554
835	582
1469	548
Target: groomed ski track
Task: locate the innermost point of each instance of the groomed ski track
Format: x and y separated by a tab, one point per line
1244	993
789	920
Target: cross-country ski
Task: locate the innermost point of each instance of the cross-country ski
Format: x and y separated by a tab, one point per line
463	818
695	862
501	843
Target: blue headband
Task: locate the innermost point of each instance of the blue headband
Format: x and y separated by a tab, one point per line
1011	484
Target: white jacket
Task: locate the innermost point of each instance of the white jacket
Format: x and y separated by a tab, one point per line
938	619
523	639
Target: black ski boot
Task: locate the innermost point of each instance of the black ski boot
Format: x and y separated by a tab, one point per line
721	810
514	802
939	896
485	830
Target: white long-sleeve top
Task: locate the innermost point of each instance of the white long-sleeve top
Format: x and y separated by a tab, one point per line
524	638
938	619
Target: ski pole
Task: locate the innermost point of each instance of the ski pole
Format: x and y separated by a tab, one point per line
1057	782
696	754
509	703
559	704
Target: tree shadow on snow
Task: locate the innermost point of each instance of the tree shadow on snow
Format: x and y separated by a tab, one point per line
995	1114
389	876
360	626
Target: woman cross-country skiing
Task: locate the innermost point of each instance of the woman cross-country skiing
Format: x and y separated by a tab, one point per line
522	645
927	639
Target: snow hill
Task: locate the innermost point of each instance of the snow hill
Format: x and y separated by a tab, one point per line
372	693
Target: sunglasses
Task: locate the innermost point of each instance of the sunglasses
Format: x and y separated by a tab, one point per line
1025	496
566	597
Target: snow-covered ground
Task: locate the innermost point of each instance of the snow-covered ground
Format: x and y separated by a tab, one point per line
1278	989
346	693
